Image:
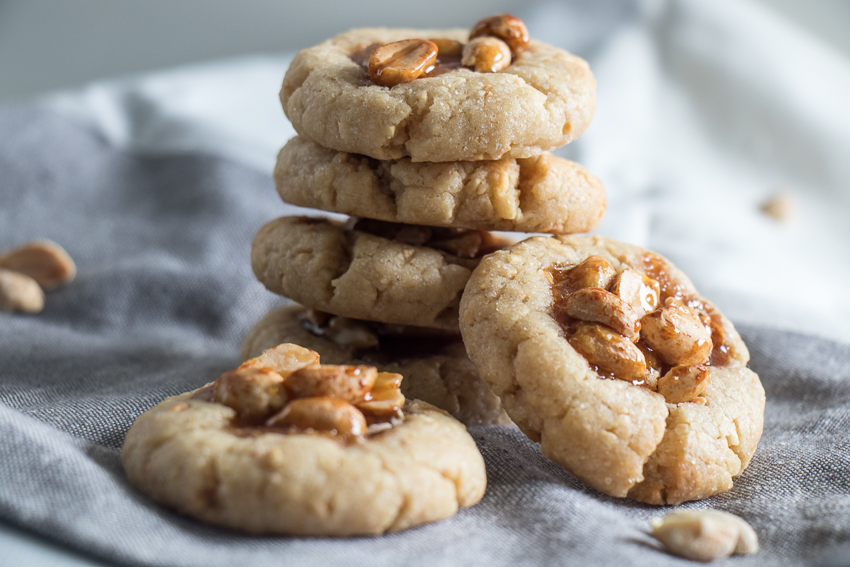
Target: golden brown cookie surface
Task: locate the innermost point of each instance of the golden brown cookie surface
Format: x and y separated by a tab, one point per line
542	334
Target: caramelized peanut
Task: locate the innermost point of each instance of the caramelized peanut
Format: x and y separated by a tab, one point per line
684	383
385	399
349	383
486	54
599	306
254	393
676	333
638	290
506	27
448	47
609	351
401	61
328	415
593	271
284	359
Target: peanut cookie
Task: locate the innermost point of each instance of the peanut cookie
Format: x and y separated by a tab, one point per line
538	194
456	99
285	445
434	364
402	274
605	354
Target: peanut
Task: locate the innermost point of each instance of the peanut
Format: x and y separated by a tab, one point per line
401	61
486	54
506	27
593	271
385	399
321	414
19	292
638	290
284	359
684	383
349	383
705	535
609	351
676	333
448	47
44	261
599	306
254	393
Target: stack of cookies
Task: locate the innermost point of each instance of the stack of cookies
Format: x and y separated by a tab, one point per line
429	140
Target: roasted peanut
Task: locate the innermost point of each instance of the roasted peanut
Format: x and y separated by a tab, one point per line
653	365
486	54
638	290
321	414
705	535
684	383
351	333
599	306
385	399
44	261
284	359
675	332
349	383
506	27
19	292
593	271
609	351
401	61
254	393
447	47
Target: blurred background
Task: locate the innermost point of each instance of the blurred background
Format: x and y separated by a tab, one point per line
53	44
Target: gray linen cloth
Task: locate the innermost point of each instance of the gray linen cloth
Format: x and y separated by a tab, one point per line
163	297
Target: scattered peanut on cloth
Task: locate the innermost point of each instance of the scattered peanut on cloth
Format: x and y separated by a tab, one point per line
29	270
705	535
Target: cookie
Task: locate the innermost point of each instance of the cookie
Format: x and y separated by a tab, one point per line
538	194
283	445
551	325
434	364
544	99
324	265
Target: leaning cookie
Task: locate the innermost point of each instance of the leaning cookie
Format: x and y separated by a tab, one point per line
605	353
538	194
434	364
284	445
402	274
543	99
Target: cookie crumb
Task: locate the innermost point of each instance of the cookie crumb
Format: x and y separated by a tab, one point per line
781	206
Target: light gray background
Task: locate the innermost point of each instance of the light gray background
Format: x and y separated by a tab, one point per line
52	44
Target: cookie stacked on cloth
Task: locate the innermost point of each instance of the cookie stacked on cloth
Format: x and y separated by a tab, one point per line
430	140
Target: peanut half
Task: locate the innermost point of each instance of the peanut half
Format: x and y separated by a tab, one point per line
705	535
327	415
638	290
596	305
349	383
506	27
401	62
284	359
19	292
593	271
254	393
385	400
684	383
676	333
486	54
609	350
44	261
